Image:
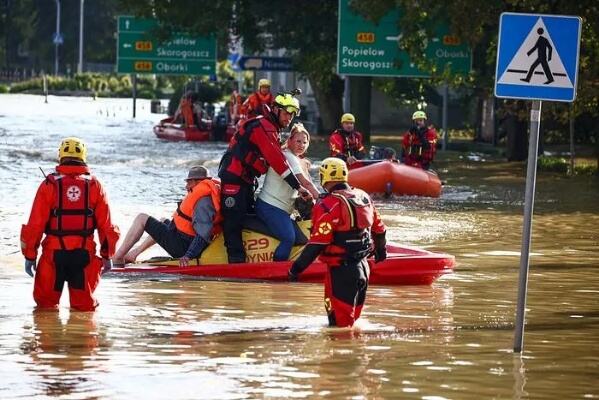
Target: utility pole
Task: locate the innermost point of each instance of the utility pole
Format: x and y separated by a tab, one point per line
80	64
57	38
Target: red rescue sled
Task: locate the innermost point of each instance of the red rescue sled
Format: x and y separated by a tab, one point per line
168	130
391	177
403	266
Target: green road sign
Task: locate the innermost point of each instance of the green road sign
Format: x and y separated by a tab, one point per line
365	48
139	52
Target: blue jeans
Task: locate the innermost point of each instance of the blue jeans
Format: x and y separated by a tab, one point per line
281	226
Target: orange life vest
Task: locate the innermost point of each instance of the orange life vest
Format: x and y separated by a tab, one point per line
183	216
71	214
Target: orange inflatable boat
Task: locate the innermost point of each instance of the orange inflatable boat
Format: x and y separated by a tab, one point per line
391	177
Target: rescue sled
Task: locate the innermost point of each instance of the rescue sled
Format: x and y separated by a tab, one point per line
391	177
403	266
168	130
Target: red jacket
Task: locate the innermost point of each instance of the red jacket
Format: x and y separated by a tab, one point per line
46	200
342	211
344	144
415	152
252	150
252	106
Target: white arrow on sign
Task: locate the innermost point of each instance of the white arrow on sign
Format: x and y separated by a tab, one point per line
126	24
127	45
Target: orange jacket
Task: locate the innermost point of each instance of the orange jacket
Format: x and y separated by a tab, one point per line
252	106
183	217
45	201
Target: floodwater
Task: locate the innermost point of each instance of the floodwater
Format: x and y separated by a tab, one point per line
183	339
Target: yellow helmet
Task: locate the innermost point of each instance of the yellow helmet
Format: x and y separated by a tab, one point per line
333	169
263	82
287	102
72	147
419	115
347	117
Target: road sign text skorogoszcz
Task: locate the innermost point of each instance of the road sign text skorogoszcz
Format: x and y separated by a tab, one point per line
369	49
182	54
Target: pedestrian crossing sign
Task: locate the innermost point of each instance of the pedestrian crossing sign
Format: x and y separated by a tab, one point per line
537	57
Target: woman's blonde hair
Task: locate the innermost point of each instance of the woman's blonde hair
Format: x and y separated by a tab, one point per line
298	127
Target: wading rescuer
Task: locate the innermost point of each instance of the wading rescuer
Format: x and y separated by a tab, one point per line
419	144
69	206
252	150
253	105
346	143
346	229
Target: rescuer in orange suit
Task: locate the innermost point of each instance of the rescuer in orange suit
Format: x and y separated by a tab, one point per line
69	206
235	103
346	142
346	229
419	144
252	106
185	111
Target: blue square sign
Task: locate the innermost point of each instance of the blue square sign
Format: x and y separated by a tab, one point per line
537	57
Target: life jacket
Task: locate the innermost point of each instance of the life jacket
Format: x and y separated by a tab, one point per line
351	237
71	214
187	112
243	158
352	143
183	216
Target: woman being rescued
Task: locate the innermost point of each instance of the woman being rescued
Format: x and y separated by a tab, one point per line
276	200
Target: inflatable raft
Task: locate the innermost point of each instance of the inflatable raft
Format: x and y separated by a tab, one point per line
391	177
403	266
168	130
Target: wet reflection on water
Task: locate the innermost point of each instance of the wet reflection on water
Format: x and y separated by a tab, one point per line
157	337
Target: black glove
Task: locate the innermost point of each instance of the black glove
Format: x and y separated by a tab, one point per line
291	277
380	247
380	255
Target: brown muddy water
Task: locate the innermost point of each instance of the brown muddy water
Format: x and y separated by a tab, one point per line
184	339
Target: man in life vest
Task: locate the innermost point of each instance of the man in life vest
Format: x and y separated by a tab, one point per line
253	105
235	103
419	144
346	229
195	223
69	206
346	143
255	147
185	112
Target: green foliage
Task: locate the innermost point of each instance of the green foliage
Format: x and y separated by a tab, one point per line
4	88
553	164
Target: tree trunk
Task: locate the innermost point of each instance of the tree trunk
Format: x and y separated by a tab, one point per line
329	100
360	94
517	139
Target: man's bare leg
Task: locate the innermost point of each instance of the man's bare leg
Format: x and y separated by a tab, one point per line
133	235
132	255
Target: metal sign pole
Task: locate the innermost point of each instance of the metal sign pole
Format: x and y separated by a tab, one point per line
529	197
444	116
134	92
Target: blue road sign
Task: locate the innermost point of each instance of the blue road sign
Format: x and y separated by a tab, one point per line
537	57
266	63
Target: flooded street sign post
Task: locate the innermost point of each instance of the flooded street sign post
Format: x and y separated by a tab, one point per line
138	51
527	42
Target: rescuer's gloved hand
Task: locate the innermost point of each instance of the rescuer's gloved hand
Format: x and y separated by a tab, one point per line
380	254
29	267
106	265
292	277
